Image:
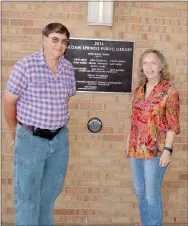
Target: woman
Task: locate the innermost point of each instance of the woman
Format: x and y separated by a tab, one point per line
154	123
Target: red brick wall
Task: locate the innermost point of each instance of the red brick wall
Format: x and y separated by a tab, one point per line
98	187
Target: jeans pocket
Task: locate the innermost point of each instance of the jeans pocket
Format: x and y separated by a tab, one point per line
23	135
21	131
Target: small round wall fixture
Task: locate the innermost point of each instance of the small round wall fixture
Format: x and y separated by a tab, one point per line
94	125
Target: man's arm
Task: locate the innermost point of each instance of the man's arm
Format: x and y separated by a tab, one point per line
9	101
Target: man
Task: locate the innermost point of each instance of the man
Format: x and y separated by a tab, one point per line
36	110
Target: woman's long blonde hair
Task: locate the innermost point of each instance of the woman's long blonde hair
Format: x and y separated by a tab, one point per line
165	74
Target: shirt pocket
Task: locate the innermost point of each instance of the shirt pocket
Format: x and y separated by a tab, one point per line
63	88
40	90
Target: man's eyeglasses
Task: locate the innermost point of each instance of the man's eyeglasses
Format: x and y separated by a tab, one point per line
56	40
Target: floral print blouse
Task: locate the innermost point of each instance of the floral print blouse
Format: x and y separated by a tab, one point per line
152	118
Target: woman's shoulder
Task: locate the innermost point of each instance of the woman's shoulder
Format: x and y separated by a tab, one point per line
138	92
169	86
172	88
138	88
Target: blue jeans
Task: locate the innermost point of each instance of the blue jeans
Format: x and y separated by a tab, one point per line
147	179
40	166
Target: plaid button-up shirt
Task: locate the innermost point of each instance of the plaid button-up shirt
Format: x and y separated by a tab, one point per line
42	96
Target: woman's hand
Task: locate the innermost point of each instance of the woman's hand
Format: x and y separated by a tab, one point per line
126	151
165	159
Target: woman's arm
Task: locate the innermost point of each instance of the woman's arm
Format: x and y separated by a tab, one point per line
172	125
127	146
165	157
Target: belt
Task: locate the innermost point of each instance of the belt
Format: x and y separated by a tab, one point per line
44	133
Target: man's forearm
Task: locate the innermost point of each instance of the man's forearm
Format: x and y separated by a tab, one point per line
10	114
9	102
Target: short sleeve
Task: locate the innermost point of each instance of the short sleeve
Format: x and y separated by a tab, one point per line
172	112
17	82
